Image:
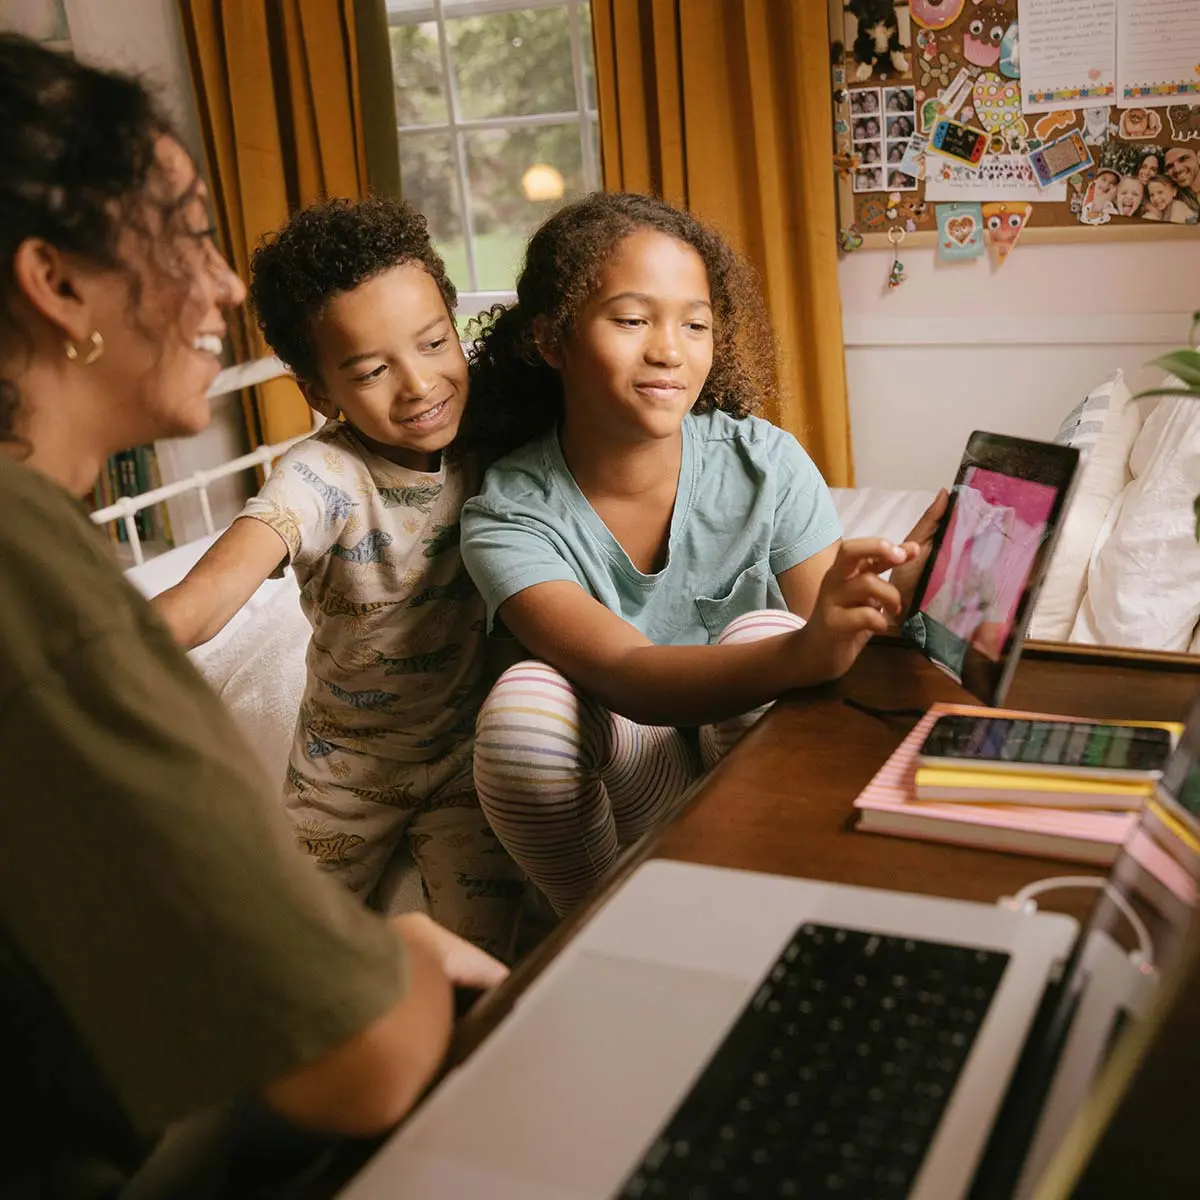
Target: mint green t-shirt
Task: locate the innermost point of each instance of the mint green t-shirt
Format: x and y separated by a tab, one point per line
749	506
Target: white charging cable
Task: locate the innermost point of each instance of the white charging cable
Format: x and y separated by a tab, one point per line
1024	902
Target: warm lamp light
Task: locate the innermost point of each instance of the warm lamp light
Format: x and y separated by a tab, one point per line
542	182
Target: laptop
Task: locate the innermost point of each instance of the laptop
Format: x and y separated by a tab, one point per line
713	1033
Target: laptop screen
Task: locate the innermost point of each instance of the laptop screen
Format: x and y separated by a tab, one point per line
1132	939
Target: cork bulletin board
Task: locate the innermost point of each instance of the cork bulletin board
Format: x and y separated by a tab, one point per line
961	60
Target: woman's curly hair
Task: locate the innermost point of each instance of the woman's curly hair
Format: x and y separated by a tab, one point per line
516	396
77	149
329	248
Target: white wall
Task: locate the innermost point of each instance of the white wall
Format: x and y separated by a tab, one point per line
145	37
961	346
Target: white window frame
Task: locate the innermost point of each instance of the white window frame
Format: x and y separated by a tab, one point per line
470	298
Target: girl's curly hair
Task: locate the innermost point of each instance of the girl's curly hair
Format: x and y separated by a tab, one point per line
77	150
326	249
516	396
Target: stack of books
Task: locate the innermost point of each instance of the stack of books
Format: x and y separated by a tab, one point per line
129	473
1054	816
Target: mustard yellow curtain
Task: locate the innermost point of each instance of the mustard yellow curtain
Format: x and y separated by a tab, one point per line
724	107
277	86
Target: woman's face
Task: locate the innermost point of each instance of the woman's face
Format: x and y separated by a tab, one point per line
1148	168
162	314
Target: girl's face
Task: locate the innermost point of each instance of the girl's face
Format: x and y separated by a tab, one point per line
162	313
1148	169
1159	195
1129	196
642	344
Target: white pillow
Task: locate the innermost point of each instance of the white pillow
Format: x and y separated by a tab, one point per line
1103	427
1144	579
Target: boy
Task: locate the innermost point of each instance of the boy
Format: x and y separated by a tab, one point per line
353	297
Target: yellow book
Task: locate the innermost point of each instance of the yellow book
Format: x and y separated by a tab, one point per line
976	786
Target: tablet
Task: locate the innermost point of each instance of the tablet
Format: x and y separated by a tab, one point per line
989	555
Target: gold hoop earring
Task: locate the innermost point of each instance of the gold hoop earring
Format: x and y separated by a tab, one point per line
96	351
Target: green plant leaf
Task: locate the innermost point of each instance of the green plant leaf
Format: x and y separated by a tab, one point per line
1191	393
1184	364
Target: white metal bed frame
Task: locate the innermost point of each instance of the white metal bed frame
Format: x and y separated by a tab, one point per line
232	379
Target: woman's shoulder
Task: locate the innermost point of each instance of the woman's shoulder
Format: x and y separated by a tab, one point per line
68	585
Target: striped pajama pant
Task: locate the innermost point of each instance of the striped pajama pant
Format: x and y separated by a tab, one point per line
566	783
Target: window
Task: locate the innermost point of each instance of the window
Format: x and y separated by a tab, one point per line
496	111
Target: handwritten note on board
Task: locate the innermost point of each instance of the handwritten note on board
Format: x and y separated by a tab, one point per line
1158	52
1068	53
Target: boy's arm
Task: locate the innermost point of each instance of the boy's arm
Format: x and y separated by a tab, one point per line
693	685
231	571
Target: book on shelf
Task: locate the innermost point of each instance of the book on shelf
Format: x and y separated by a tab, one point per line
1086	832
130	473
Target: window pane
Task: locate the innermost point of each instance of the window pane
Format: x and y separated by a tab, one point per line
589	65
430	185
417	75
513	64
518	178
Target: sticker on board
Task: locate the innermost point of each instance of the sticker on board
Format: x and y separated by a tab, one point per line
1060	159
960	231
1003	222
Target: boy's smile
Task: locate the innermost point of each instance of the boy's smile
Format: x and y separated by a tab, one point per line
391	363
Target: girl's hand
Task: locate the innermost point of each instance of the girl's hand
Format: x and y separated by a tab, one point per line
907	576
854	603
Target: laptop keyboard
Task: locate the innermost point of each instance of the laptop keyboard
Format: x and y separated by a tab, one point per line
834	1077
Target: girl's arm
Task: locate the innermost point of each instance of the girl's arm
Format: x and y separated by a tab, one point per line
231	571
801	584
693	685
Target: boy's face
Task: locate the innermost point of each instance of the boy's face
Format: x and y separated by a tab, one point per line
390	360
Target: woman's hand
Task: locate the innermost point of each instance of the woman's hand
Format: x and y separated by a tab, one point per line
854	603
908	575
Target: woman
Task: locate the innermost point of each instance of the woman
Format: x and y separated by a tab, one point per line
164	947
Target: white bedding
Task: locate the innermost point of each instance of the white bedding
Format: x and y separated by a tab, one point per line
880	512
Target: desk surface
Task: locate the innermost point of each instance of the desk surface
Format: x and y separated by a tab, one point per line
782	800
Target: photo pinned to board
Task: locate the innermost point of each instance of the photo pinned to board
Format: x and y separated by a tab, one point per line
960	231
1147	182
1003	222
882	121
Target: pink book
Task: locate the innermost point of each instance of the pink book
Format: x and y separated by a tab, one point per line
889	804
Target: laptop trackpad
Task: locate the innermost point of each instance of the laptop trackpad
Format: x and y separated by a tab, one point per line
573	1087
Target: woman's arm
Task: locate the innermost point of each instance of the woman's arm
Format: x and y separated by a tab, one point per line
231	571
692	685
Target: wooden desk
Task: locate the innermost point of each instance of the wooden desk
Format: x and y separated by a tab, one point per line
782	801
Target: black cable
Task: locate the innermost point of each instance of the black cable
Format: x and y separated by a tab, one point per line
882	714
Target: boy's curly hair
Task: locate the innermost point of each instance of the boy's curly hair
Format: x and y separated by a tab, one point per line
516	396
331	247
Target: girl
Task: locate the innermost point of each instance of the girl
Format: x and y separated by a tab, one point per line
1163	203
656	547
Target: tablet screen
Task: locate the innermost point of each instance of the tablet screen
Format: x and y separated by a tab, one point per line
986	560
